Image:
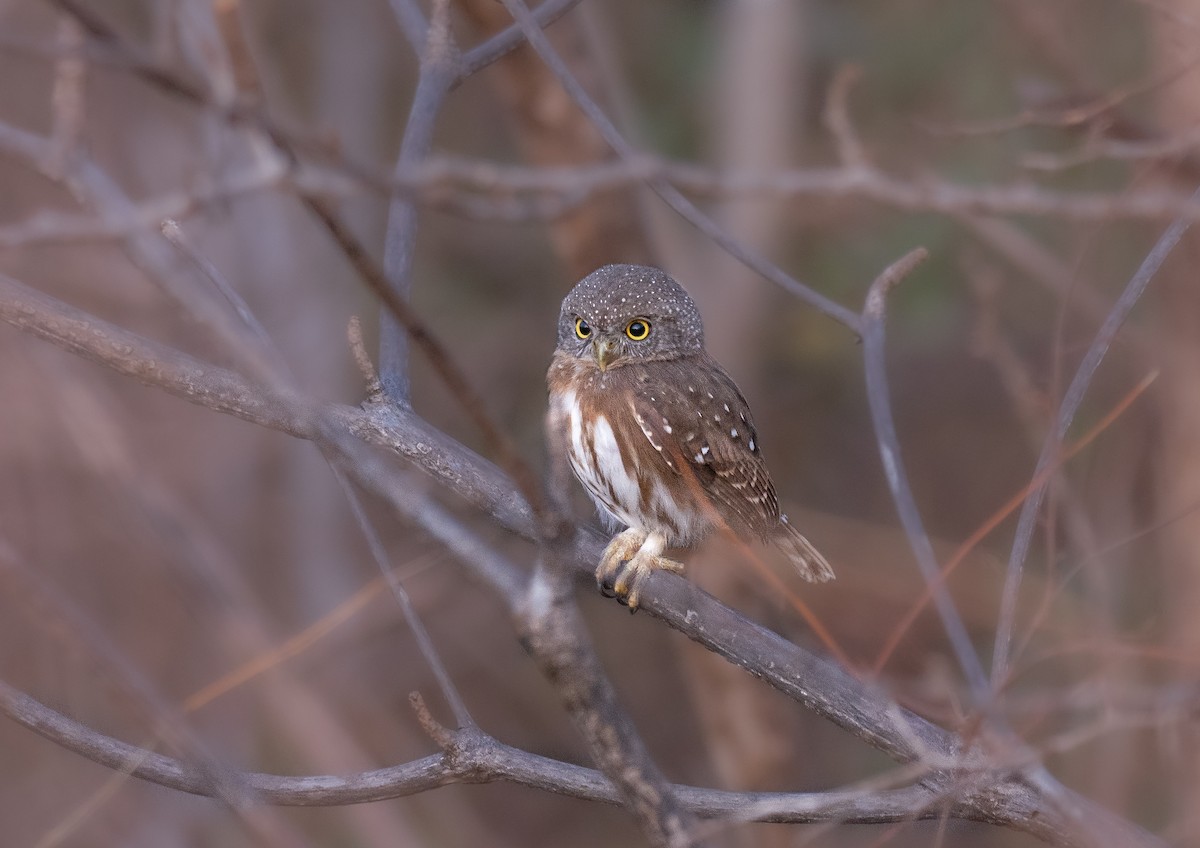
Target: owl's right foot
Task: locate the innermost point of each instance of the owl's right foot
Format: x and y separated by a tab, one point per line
628	560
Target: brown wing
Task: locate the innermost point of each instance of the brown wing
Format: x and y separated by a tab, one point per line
693	414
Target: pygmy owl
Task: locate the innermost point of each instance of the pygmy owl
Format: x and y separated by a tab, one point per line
656	431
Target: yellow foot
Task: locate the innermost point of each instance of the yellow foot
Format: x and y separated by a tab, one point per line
628	560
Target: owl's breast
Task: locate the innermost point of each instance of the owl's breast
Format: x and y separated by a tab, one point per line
609	453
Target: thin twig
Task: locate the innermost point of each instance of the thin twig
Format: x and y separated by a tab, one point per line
837	117
503	42
878	396
424	642
438	67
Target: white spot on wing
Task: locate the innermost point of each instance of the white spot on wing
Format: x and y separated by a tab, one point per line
733	432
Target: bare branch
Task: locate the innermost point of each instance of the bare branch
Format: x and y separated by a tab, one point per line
490	51
439	356
837	118
439	64
874	361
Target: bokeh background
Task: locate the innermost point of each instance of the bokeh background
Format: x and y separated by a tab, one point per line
194	542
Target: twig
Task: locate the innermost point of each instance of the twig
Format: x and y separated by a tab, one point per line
275	368
438	66
362	359
67	98
503	42
837	117
412	22
875	363
424	643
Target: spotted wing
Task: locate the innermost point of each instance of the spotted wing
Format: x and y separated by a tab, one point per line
699	424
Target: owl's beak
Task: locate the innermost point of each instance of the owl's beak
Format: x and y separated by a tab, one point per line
605	351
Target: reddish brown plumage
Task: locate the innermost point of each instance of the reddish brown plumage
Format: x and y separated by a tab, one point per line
671	420
655	429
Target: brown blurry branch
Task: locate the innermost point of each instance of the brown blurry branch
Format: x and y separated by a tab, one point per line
487	190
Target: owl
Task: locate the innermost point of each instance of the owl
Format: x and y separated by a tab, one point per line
656	431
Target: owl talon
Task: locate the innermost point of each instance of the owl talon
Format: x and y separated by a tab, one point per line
624	546
629	558
634	572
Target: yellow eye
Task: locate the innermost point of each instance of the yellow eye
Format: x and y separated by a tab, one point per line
638	329
582	328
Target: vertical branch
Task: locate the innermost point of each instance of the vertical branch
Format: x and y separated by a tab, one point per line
874	360
553	631
438	71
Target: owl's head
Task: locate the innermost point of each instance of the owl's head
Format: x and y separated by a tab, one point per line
627	313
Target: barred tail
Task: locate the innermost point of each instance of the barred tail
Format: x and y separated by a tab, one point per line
807	559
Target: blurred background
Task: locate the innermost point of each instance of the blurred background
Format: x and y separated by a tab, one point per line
1037	150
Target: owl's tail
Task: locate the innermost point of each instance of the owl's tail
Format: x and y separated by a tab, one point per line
807	559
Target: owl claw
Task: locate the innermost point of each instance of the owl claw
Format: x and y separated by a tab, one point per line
629	580
628	560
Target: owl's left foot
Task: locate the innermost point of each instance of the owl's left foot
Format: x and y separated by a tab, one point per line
628	560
